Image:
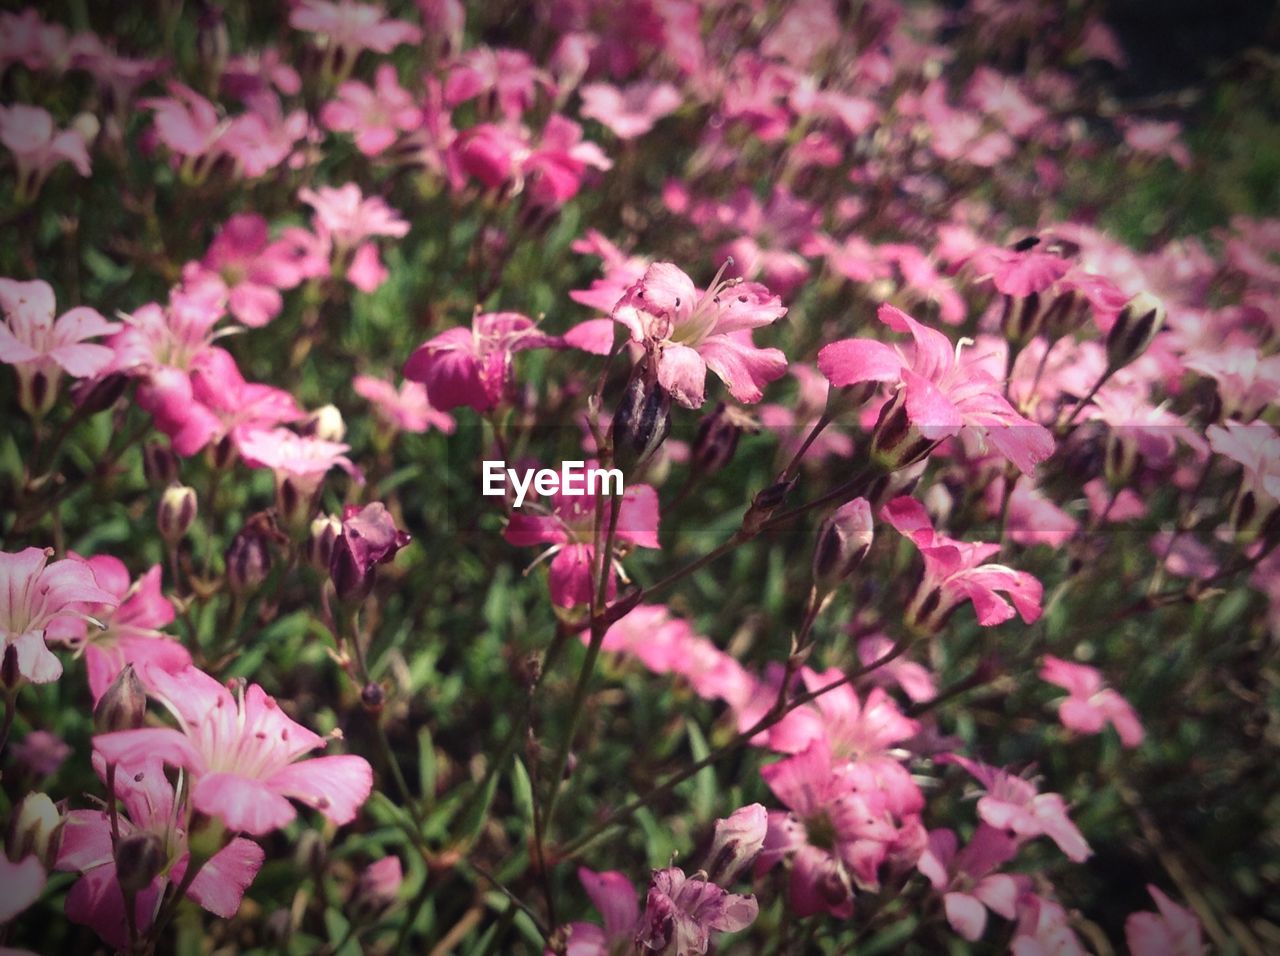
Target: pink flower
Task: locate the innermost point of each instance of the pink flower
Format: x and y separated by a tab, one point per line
369	537
263	139
556	165
187	123
1033	518
42	753
131	625
615	898
238	408
407	408
38	146
629	111
348	218
793	423
42	348
1171	931
349	26
967	881
620	272
568	523
299	462
834	836
510	75
23	883
151	811
254	269
1044	930
1256	448
915	679
473	366
35	595
1152	138
682	912
954	572
939	394
1012	804
1090	706
686	332
376	116
242	753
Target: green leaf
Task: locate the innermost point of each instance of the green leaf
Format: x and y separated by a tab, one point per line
522	790
704	781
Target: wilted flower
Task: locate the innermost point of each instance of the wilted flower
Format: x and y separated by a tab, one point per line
681	913
369	537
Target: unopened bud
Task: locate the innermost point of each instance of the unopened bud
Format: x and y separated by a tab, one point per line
843	541
223	453
373	697
326	424
36	829
176	513
320	540
378	886
212	43
248	561
10	676
717	438
1120	459
849	398
1134	329
738	840
1022	319
351	581
159	464
123	706
1065	314
97	395
640	424
140	857
87	126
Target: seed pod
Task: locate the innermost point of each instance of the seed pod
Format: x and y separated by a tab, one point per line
176	513
843	541
139	859
373	697
37	388
123	706
641	423
1135	328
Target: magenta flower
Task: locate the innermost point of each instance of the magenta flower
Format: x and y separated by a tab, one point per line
254	269
1090	706
682	912
567	523
349	27
151	811
242	753
834	837
235	408
41	348
687	332
39	147
1172	930
473	366
792	423
131	625
407	408
915	680
1013	804
554	168
1044	929
369	537
629	111
941	394
263	139
954	572
615	898
510	76
967	881
375	116
35	595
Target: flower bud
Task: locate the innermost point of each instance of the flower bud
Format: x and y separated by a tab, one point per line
640	424
11	678
739	838
248	561
895	441
140	857
320	540
369	538
223	453
378	886
36	829
325	423
1021	319
1120	459
1065	314
372	697
212	43
1134	329
843	541
717	438
849	398
97	395
123	706
159	464
176	513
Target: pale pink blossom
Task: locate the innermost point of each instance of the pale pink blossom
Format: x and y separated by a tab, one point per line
1044	929
1172	930
629	111
300	460
39	147
1090	706
150	809
263	139
940	394
967	879
510	76
254	268
955	571
406	408
349	218
916	681
187	123
377	116
687	332
350	26
23	883
36	595
243	754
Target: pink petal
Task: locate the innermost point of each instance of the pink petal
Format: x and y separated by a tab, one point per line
744	368
133	748
683	373
336	786
615	898
851	361
243	804
221	882
967	916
